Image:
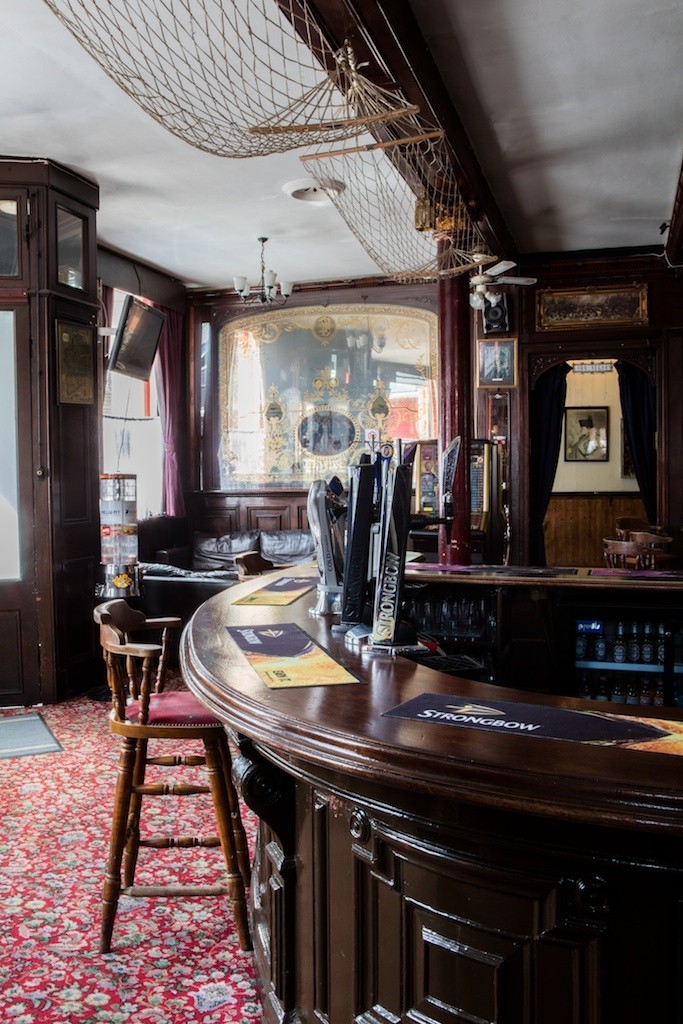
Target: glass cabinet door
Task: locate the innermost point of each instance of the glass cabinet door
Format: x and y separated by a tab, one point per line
9	237
70	248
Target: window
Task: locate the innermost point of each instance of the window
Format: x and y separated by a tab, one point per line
132	439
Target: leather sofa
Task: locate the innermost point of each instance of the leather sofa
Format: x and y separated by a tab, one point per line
182	578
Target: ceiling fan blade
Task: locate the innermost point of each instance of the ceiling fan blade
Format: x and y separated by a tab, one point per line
500	268
516	280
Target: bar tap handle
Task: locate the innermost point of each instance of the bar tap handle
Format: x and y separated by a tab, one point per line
448	514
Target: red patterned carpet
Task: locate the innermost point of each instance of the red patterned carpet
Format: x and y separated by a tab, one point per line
173	961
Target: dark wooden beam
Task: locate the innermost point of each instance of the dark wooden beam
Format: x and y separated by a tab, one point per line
386	34
674	243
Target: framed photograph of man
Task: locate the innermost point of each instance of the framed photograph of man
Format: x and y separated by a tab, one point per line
497	363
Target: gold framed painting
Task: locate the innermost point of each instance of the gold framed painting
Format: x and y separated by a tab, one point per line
610	306
76	362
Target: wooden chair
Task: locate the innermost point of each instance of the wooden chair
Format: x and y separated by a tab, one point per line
130	622
252	563
625	525
657	545
624	554
140	713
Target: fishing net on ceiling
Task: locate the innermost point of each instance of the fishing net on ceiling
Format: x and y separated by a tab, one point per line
258	77
233	79
402	201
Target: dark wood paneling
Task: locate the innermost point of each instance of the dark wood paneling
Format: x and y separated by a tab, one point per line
11	675
218	512
575	525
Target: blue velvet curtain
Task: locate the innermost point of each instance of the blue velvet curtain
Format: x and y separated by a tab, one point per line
639	409
546	413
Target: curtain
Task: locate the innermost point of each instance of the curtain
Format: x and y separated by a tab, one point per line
168	377
546	412
639	409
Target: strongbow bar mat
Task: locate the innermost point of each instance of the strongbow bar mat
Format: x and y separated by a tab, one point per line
545	722
285	656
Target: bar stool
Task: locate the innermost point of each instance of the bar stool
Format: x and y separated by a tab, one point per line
141	713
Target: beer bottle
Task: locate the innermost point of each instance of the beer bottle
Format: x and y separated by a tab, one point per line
661	639
581	646
619	648
600	645
647	646
602	692
618	689
633	692
633	647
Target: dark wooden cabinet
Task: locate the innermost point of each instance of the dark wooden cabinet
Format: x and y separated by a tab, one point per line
48	289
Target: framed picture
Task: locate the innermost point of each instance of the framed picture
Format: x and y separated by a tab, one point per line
427	480
585	434
497	363
591	307
76	361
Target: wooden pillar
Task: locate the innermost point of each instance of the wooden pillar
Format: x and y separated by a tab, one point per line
456	405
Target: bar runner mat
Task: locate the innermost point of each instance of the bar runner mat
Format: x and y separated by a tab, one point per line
286	590
542	572
545	722
285	656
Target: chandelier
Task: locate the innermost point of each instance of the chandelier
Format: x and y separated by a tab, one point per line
266	291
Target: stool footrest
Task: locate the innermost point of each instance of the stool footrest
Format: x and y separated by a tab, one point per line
174	890
180	842
176	760
170	789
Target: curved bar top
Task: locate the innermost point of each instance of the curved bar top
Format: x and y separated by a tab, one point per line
342	728
416	871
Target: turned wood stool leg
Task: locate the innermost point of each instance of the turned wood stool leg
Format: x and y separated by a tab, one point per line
130	853
221	802
112	881
241	846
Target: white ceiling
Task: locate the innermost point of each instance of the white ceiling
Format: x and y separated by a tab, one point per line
574	108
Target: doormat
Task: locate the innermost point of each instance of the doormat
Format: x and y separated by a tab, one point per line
544	722
23	735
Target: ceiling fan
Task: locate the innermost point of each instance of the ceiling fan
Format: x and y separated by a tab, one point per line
482	280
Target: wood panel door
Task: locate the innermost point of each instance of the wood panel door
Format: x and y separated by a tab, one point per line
19	649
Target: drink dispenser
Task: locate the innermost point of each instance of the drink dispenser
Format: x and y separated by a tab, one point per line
119	534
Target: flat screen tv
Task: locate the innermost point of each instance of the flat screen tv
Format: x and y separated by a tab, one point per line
137	339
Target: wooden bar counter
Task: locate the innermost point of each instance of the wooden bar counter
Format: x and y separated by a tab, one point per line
418	870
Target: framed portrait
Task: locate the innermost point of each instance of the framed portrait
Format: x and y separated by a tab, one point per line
617	306
76	361
426	478
497	363
586	434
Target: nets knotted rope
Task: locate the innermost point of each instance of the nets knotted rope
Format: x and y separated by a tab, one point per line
258	77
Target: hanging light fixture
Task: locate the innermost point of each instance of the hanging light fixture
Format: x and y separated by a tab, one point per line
266	291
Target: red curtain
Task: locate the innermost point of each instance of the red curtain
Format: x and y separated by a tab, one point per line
168	377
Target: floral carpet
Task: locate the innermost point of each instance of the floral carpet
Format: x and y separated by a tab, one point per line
172	960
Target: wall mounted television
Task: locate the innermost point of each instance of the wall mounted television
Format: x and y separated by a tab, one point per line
137	339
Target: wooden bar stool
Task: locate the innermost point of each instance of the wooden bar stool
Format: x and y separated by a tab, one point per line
130	622
141	713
